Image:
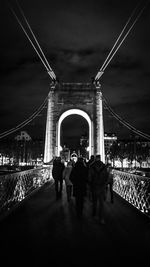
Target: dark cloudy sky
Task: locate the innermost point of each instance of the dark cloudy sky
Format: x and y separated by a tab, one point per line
76	36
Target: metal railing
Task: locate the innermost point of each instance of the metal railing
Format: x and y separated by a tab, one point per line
16	186
133	188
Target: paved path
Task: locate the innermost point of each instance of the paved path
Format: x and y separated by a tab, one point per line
46	232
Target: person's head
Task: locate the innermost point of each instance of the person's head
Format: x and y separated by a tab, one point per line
98	157
92	157
80	159
109	167
69	163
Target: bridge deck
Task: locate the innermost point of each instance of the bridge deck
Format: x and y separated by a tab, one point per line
46	232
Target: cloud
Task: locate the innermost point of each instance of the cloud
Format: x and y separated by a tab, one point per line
76	37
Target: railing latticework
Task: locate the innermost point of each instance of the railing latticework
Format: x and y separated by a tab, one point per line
15	187
133	188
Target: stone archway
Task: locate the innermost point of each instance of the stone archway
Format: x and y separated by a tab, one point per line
84	99
85	116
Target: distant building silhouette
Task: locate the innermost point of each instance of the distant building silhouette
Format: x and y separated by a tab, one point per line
23	136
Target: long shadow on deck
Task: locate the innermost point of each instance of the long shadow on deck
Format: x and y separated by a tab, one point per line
46	232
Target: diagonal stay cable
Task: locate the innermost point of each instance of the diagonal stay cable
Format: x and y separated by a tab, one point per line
109	57
49	70
122	121
29	27
27	121
138	16
129	19
25	32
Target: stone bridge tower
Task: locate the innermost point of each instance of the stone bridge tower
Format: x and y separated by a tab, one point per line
65	99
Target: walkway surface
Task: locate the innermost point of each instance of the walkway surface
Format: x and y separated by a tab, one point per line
46	232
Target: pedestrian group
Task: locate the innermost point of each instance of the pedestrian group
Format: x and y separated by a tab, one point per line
92	179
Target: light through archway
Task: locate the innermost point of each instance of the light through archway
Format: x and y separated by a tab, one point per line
74	132
73	112
81	99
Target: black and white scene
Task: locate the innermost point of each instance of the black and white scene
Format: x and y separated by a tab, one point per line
74	132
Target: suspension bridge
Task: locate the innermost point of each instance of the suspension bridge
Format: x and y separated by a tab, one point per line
32	223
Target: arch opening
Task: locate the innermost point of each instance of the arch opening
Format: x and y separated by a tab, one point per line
88	125
74	132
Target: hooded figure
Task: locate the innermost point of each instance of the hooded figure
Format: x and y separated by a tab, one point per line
79	179
98	179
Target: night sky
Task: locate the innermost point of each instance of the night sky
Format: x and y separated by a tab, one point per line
76	37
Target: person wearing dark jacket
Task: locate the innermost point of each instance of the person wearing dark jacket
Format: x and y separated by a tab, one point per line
66	174
98	179
57	173
109	188
78	178
91	160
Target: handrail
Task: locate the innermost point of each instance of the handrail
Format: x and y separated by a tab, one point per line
17	186
133	188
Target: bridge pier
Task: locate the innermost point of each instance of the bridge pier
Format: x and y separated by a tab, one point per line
66	99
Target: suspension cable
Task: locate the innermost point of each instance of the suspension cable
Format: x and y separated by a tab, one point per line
45	63
122	121
25	19
53	76
27	121
124	37
109	57
101	69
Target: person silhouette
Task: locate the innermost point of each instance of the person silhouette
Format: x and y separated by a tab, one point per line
109	188
57	173
66	175
78	177
98	179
